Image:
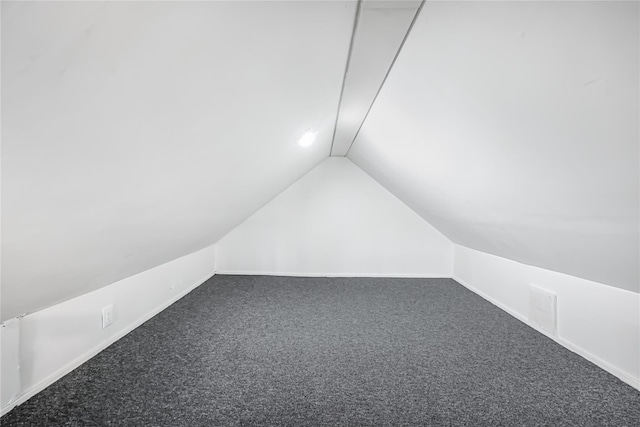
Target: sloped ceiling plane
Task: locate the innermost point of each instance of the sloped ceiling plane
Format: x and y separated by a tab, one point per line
134	133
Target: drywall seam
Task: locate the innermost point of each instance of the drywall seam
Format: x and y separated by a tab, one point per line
33	390
393	62
293	274
629	379
356	19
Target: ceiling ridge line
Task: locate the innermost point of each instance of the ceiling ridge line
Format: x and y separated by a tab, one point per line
356	19
393	62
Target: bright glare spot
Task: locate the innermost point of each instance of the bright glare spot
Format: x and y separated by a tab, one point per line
307	138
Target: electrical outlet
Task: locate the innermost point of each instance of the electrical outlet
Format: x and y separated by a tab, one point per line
107	316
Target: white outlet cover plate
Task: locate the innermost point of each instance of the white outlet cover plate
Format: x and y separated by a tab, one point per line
107	316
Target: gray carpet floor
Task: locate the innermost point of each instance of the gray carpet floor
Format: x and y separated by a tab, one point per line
283	351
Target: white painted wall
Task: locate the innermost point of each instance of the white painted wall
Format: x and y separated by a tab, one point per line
599	322
58	339
512	127
10	383
336	220
134	133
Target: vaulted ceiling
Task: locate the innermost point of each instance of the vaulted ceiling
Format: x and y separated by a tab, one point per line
513	128
137	132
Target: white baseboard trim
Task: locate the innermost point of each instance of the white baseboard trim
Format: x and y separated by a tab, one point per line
293	274
620	374
32	391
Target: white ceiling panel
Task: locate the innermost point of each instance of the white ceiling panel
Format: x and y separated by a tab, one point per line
513	127
137	132
381	27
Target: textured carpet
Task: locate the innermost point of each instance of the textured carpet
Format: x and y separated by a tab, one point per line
288	351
